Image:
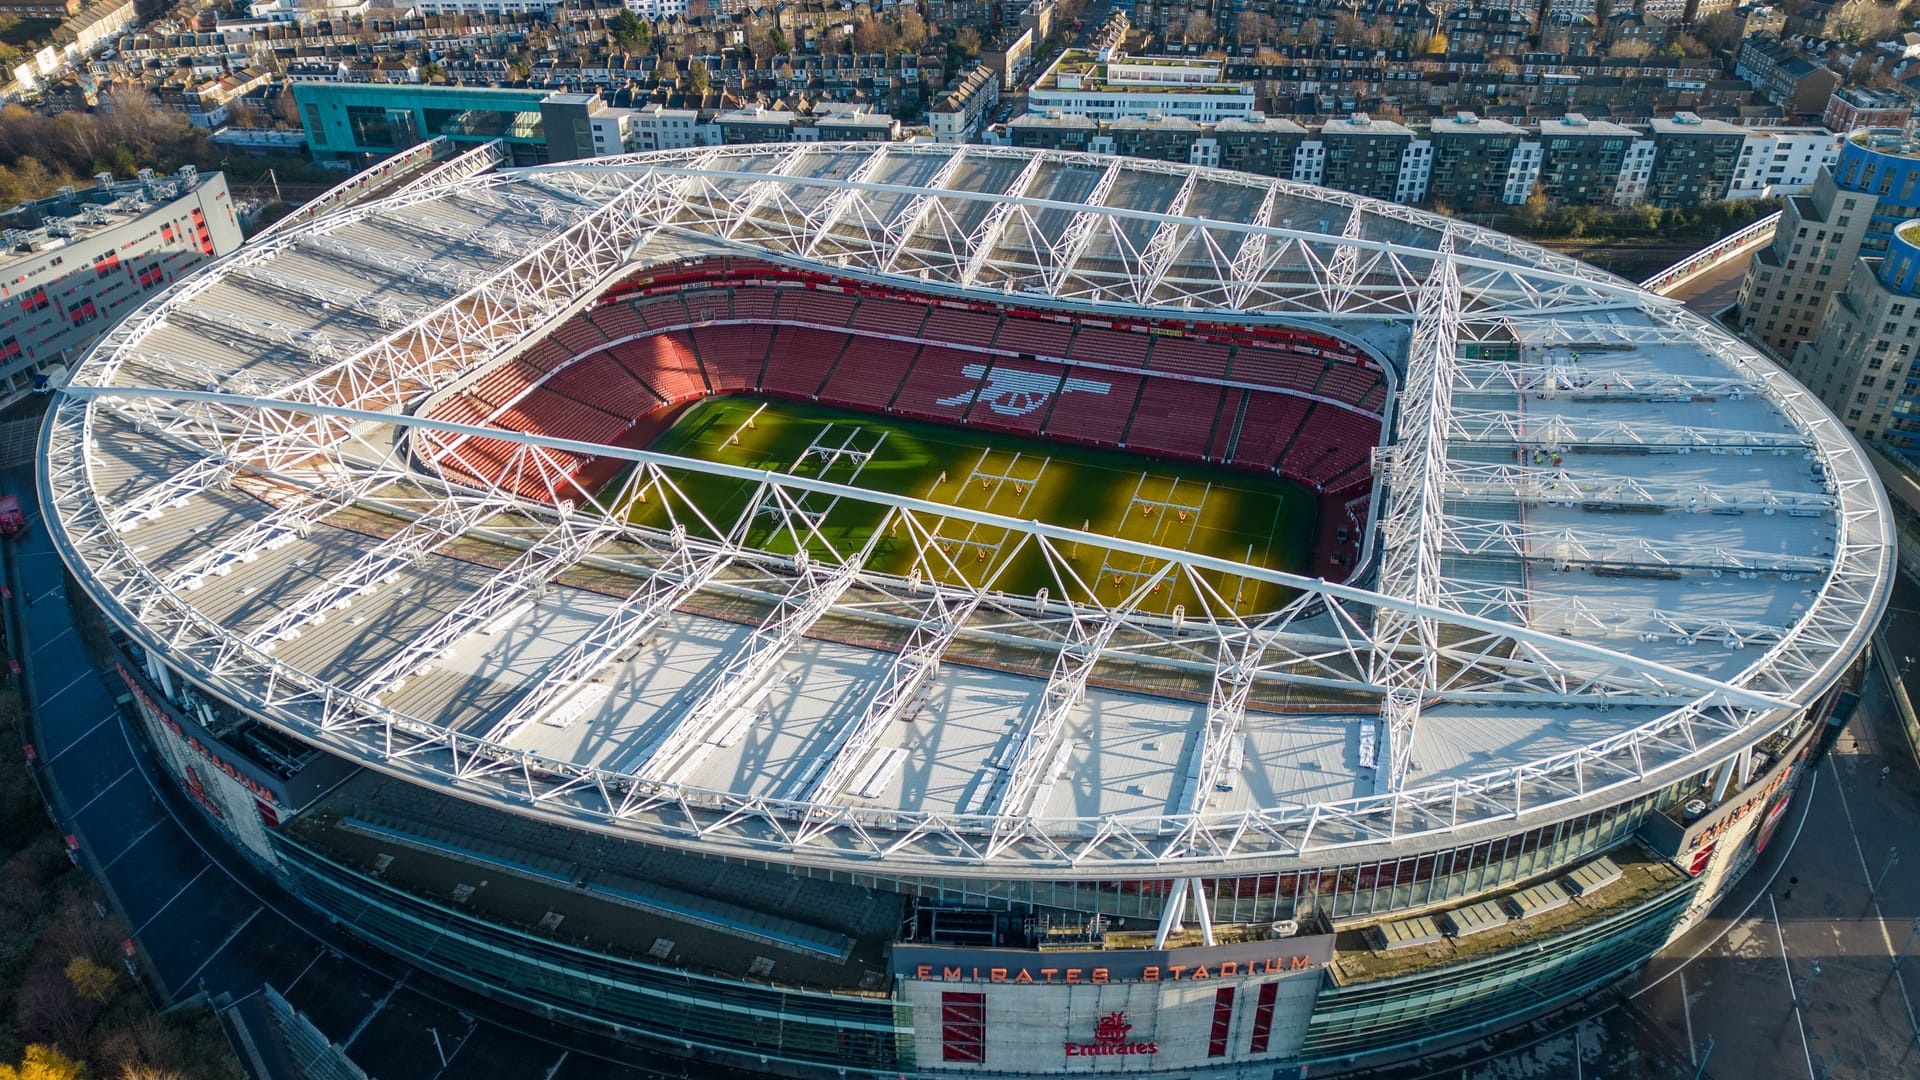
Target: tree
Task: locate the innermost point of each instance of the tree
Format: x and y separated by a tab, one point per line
1200	28
91	980
1718	32
698	78
912	28
968	39
629	32
43	1062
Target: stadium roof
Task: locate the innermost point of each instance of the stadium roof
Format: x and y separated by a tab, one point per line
1615	544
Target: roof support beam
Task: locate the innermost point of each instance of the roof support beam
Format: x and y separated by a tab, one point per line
742	683
846	199
1081	230
981	244
1510	482
1588	544
280	527
416	540
1588	382
909	221
685	572
1411	528
551	556
1163	248
758	194
1554	431
385	308
1029	762
900	691
1343	270
1252	251
1233	676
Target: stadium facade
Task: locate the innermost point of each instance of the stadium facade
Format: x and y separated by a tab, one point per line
360	506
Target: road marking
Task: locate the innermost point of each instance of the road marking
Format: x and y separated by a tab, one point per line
378	1007
1793	997
76	742
111	784
1879	916
228	940
156	912
324	950
51	640
131	844
44	702
1693	1051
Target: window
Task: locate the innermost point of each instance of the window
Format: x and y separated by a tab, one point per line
963	1027
1222	1022
1263	1018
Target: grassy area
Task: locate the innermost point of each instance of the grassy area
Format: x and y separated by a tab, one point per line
1211	511
23	32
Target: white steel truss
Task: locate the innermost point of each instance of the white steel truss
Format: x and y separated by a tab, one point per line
686	572
570	541
1708	711
1428	637
742	683
1415	477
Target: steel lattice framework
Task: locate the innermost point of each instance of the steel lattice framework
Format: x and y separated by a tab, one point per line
340	424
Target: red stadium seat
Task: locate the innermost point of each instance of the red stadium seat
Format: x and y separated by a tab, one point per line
1174	417
732	325
1096	418
800	360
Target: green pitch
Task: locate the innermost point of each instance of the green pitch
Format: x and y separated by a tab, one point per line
1225	513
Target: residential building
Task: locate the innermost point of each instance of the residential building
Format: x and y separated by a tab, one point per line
1583	160
1861	363
1786	76
1854	107
755	125
656	10
1694	160
206	101
1782	161
1636	173
959	114
656	127
1260	144
73	264
1471	160
1365	156
1788	284
834	122
1758	20
1883	163
38	9
1140	86
1053	130
89	31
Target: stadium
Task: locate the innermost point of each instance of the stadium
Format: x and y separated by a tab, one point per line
839	609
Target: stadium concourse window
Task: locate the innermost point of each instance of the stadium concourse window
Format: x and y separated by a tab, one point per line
1382	1013
963	1027
561	978
1337	891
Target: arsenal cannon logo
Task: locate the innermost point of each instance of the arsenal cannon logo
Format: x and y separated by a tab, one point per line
1110	1037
